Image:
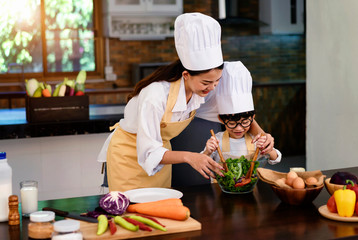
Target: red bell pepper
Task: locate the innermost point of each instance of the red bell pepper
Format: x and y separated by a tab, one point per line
352	186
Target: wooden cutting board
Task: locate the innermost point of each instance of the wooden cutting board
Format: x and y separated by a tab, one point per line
89	229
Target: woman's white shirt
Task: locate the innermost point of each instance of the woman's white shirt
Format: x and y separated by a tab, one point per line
143	114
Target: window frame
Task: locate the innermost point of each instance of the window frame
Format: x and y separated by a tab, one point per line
15	78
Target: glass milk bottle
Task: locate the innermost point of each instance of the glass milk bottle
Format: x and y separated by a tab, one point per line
5	187
29	197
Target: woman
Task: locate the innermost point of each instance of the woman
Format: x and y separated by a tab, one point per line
162	105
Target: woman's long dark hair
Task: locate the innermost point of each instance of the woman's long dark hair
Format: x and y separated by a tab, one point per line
169	73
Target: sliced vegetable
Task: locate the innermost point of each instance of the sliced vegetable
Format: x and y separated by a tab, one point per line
112	227
153	219
342	177
127	225
154	204
114	203
102	224
346	202
148	222
141	225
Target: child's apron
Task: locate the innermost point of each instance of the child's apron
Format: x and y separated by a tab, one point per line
124	172
226	142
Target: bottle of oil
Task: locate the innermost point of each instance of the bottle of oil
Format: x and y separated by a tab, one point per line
5	187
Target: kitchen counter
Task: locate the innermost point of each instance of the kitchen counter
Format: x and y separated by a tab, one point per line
13	123
258	215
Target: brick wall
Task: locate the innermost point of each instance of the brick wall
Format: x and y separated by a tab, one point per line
269	57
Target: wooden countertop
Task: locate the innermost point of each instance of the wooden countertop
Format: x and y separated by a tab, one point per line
258	215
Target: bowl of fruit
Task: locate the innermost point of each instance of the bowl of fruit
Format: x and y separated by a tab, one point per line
338	181
237	171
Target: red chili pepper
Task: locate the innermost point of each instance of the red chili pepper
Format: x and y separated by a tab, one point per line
153	219
352	186
141	225
112	226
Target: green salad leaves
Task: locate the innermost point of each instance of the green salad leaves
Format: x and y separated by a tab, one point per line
237	169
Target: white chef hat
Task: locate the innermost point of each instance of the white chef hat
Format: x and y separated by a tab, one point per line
197	41
233	93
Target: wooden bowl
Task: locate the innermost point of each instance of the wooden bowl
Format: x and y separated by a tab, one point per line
331	187
297	196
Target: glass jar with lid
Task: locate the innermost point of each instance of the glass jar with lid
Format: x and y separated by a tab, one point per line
67	229
41	225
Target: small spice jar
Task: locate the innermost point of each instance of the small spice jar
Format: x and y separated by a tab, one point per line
41	225
67	229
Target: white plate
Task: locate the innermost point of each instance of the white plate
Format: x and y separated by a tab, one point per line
142	195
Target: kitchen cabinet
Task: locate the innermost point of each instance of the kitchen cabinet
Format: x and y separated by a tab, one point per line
144	7
140	19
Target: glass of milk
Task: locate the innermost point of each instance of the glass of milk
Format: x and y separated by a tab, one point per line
29	197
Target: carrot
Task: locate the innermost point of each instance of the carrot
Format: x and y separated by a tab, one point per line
46	93
155	204
165	211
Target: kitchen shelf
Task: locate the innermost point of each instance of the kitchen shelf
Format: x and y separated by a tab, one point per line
140	19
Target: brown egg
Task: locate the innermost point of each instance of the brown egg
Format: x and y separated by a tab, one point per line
311	180
281	181
298	183
292	174
289	181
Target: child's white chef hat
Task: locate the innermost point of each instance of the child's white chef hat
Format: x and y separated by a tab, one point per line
233	93
197	41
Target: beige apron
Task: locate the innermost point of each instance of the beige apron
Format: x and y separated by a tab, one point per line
123	171
226	142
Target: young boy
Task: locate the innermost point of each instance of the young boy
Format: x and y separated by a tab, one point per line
236	112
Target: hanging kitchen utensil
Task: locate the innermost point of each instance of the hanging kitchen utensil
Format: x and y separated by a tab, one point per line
220	153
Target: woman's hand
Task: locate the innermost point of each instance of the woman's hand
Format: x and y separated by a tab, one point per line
265	143
211	145
205	165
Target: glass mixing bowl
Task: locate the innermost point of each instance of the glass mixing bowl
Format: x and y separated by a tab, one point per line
238	167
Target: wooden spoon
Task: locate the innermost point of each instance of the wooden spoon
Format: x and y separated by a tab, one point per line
220	153
247	178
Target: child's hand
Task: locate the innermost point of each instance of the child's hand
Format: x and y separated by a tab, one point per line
265	143
211	145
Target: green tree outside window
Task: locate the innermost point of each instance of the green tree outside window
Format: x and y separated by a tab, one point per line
48	36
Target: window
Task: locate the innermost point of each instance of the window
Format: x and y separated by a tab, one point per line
50	38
